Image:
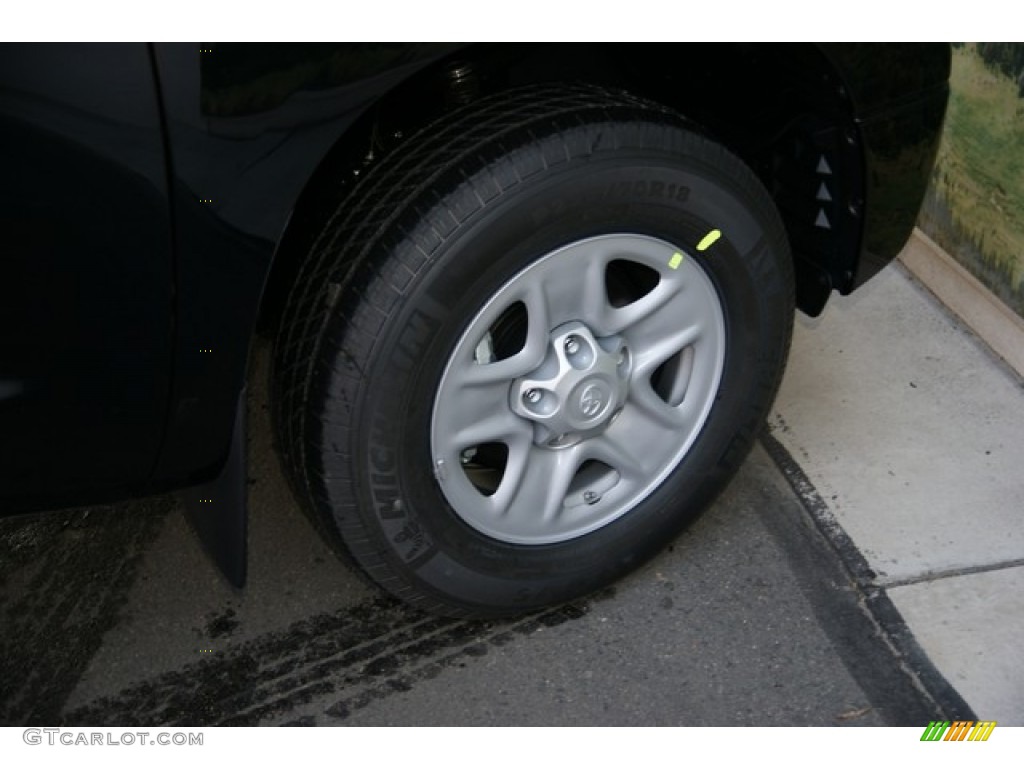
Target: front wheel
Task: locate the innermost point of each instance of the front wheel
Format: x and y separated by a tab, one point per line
558	343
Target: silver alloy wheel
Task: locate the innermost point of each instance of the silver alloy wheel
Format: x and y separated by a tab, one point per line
577	389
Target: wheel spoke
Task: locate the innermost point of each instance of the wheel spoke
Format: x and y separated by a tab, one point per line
535	485
472	374
499	427
539	316
624	451
578	290
619	319
594	306
574	288
670	326
646	404
647	357
468	372
475	414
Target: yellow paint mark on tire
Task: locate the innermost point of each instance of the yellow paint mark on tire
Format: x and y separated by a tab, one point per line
709	239
675	261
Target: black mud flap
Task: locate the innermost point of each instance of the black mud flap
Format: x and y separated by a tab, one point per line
218	510
813	286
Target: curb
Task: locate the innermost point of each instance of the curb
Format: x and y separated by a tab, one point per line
991	320
873	598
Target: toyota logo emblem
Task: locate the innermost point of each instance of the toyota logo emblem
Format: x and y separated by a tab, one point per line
591	401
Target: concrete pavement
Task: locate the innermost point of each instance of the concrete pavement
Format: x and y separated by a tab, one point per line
912	431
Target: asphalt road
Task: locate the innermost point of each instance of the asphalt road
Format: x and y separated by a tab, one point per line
113	615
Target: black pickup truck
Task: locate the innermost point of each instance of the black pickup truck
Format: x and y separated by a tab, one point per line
529	303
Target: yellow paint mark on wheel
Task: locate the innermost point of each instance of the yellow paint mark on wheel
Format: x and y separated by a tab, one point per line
675	261
709	239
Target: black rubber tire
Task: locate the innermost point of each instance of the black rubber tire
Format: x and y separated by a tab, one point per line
416	250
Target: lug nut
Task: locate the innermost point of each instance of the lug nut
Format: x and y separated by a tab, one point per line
572	345
590	497
532	396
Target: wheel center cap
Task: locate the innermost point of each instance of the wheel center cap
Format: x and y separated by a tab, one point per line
577	389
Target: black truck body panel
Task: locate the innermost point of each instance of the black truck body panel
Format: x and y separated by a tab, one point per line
152	197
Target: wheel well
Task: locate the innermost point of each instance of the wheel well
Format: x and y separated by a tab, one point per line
781	108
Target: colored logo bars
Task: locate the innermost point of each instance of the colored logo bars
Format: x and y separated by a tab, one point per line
961	730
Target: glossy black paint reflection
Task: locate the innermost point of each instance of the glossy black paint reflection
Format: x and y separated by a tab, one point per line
899	94
239	79
239	162
900	150
880	76
85	273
